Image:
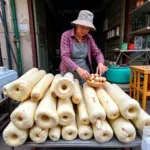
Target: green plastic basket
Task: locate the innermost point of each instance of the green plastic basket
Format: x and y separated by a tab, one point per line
118	75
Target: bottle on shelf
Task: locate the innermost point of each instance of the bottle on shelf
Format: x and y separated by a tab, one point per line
118	31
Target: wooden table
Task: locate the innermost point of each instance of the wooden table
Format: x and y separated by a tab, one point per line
140	83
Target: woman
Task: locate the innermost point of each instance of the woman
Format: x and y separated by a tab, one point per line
78	47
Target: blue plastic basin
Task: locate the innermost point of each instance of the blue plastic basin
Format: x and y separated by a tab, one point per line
118	74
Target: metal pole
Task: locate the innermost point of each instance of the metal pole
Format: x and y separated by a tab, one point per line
6	28
6	34
17	37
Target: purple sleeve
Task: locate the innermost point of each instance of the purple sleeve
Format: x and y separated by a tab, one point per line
66	53
96	52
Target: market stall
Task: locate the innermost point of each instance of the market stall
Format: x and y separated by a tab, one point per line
55	111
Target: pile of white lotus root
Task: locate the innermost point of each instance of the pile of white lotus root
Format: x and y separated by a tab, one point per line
57	107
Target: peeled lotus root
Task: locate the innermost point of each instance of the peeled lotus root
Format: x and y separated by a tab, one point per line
38	135
70	132
85	132
53	85
104	134
83	113
21	89
65	112
129	108
124	130
54	133
23	115
39	90
65	86
77	95
14	136
8	86
46	114
142	120
108	104
96	112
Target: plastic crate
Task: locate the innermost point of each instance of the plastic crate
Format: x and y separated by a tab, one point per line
7	77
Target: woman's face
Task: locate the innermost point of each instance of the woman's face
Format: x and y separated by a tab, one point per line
82	30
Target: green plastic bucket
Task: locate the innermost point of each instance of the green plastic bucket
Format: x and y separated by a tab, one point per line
119	75
124	46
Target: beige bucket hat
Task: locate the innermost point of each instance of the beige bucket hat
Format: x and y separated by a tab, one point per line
85	18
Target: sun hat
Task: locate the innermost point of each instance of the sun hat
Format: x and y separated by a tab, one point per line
85	18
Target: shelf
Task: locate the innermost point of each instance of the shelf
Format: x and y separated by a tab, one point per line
3	116
114	27
145	30
144	8
4	124
113	143
113	38
130	51
3	100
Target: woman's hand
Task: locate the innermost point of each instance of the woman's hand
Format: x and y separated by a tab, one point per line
83	73
102	68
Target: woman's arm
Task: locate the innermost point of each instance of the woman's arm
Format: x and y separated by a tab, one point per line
96	53
66	54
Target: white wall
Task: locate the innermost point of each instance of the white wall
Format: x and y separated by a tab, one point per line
24	29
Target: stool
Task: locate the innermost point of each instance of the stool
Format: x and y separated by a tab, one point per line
140	83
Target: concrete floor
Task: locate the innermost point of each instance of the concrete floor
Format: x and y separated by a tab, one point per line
3	146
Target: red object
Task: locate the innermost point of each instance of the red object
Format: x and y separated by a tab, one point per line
131	46
138	3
